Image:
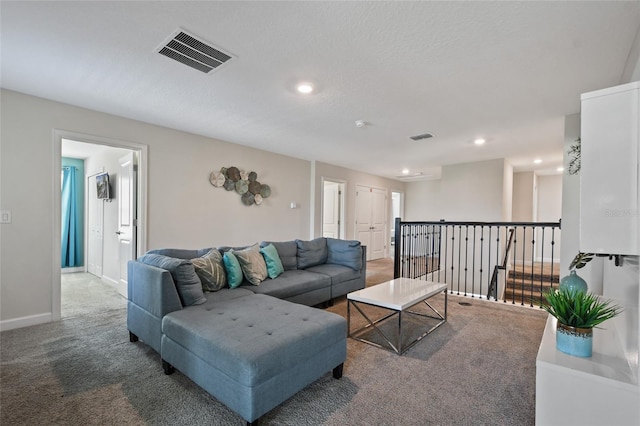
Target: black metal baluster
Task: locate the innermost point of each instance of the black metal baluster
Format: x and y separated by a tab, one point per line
459	260
481	252
466	258
533	264
473	264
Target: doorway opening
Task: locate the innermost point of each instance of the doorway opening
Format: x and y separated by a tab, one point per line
333	197
112	217
396	212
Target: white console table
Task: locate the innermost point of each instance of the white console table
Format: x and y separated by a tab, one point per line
600	390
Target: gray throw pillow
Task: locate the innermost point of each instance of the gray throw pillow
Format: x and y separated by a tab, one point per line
253	265
288	252
210	270
312	253
345	253
184	276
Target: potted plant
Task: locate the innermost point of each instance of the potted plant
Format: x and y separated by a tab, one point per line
573	281
577	312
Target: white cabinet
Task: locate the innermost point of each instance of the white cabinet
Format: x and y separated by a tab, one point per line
600	390
609	171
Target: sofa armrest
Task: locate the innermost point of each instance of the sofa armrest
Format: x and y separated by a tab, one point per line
152	289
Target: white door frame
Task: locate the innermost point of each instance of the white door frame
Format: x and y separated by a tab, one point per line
343	189
143	156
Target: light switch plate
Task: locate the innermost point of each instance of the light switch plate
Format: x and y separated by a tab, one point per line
5	216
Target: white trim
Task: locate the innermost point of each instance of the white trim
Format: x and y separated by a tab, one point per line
27	321
72	270
143	155
123	290
343	205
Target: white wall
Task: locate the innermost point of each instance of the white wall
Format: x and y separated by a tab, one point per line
423	201
549	198
507	192
184	209
466	192
592	273
523	197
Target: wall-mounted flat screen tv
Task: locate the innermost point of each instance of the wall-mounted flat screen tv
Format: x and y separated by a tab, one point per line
102	183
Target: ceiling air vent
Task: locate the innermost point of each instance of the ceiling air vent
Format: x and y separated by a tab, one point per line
191	51
422	136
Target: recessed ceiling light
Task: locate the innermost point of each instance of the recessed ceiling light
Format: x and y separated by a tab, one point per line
560	169
537	161
305	88
405	171
479	141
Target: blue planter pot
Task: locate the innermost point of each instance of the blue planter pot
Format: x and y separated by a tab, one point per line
573	283
574	341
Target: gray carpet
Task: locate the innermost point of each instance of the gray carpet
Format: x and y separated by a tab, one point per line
478	368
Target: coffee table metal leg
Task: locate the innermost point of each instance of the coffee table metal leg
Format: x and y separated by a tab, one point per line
400	332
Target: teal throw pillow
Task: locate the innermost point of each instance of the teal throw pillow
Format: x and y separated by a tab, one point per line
271	257
232	266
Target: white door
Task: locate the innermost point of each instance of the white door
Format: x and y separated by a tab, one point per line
371	213
126	197
95	219
331	210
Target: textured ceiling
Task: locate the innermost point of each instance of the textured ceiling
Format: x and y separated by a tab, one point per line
505	71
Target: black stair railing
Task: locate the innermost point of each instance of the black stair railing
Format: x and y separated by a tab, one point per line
493	284
510	261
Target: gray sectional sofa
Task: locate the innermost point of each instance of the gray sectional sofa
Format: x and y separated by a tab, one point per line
253	346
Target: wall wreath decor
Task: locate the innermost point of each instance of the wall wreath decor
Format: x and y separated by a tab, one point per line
245	184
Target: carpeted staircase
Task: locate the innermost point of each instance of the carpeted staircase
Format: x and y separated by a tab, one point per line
527	282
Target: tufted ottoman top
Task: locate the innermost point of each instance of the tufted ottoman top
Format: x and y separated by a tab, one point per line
254	337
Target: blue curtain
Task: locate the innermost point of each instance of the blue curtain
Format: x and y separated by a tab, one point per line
70	254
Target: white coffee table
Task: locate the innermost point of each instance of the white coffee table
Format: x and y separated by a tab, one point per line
398	296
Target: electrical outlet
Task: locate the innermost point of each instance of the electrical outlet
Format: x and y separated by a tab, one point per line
5	216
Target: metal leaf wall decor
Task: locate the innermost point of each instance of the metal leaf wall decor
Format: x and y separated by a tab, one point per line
575	158
246	185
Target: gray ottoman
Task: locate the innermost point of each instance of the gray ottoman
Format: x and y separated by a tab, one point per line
254	352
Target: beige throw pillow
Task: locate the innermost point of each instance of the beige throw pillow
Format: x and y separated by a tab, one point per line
252	263
210	270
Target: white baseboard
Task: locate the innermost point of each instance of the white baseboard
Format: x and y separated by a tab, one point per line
30	320
123	290
72	270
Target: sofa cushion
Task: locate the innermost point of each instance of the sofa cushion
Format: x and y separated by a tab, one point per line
253	264
344	252
180	253
254	338
210	270
311	253
271	258
292	283
233	269
288	252
184	277
338	273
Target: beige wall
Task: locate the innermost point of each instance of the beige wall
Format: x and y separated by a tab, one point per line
423	201
549	198
466	192
184	210
523	183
